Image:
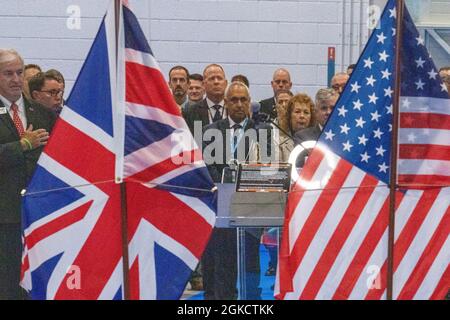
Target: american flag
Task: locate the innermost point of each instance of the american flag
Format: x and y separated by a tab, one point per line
335	236
120	124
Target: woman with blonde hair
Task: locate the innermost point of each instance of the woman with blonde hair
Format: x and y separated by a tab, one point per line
299	115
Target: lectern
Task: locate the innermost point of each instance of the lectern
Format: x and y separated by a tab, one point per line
257	198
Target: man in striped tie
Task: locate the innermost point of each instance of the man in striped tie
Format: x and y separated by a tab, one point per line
24	130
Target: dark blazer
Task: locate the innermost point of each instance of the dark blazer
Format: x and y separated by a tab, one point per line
223	125
197	112
311	133
268	106
17	166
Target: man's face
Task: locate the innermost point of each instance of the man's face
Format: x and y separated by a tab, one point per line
281	81
338	82
324	108
215	83
196	91
27	75
51	94
237	103
11	79
282	102
443	73
179	83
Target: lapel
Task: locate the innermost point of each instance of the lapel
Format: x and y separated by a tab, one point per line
31	114
204	112
7	121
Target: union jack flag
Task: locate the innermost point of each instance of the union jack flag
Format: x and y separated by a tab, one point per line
120	124
335	237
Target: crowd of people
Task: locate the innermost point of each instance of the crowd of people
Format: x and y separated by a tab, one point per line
32	99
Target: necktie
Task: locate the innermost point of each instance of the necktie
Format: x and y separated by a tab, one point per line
16	119
236	128
218	114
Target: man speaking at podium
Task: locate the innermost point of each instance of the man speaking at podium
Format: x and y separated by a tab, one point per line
233	139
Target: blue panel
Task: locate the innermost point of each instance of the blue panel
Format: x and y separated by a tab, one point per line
134	37
40	278
118	295
46	201
172	274
91	94
195	179
141	132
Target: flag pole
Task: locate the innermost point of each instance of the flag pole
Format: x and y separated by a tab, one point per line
123	190
394	151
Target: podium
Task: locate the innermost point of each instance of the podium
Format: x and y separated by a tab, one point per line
244	210
249	209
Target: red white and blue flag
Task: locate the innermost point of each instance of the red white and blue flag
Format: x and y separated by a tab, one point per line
120	124
335	236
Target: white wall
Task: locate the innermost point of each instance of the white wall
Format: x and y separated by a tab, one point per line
253	37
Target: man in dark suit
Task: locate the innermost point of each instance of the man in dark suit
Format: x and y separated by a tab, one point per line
24	130
281	81
242	141
325	101
210	109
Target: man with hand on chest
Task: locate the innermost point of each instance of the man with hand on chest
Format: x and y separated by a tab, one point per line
24	131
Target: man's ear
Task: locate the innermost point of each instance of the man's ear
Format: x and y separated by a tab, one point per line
33	94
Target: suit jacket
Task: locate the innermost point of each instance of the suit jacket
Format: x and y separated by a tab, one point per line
17	166
311	133
268	106
197	112
252	147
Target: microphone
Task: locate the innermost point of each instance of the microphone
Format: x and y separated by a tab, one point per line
261	117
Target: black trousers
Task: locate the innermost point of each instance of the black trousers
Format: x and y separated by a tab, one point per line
10	261
219	265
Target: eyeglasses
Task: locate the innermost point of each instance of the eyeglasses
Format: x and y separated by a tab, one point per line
53	93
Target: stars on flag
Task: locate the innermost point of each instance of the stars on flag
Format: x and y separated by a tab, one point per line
345	128
420	62
342	111
368	63
388	92
329	135
377	133
355	87
419	84
432	74
347	146
381	38
375	116
383	167
420	41
357	105
386	74
371	80
383	56
360	122
365	157
380	151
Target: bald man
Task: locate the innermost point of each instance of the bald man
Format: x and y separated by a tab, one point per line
281	80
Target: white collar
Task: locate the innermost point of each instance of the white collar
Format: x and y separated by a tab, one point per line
211	104
20	103
232	123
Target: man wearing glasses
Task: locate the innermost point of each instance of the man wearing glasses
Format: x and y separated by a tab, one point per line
47	90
